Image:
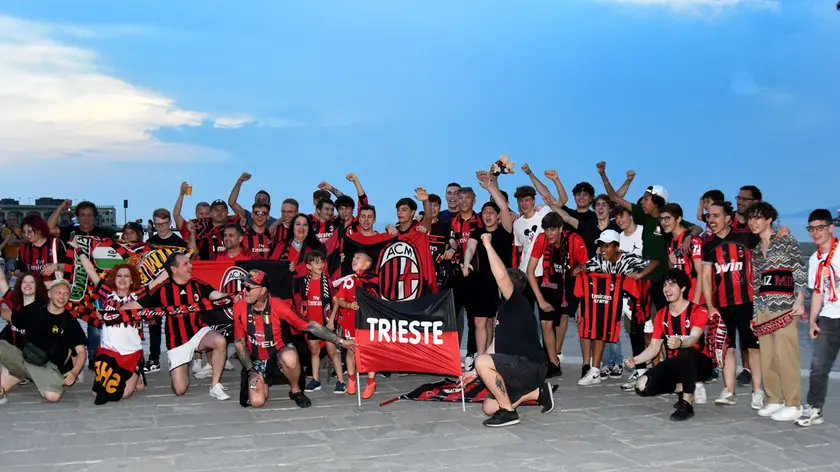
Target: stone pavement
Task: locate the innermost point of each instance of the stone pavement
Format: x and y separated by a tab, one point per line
597	428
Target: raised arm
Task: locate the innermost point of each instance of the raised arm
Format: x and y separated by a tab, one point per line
53	221
497	267
192	243
329	188
421	194
358	184
234	194
541	188
614	196
558	208
622	191
490	182
176	211
562	196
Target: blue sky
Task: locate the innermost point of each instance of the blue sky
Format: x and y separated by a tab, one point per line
107	101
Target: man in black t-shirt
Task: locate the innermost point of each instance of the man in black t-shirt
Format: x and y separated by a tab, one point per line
86	213
58	341
164	236
440	235
514	367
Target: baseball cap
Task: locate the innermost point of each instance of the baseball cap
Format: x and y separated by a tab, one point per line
659	191
57	282
607	236
218	202
255	277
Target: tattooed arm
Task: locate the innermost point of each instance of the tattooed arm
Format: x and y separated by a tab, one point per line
242	352
319	331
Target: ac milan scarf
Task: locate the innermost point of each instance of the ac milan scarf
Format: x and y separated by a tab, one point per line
825	266
326	295
110	318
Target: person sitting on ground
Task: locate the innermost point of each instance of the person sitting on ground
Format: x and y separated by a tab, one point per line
261	337
681	326
514	367
54	354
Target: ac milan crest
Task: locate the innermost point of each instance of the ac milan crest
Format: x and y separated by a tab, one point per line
399	272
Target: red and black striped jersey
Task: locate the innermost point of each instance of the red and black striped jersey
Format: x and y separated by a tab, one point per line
259	244
461	229
179	329
685	262
602	301
324	229
352	226
267	332
667	324
731	263
35	258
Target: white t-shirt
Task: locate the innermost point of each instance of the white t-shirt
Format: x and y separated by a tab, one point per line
525	231
632	244
829	309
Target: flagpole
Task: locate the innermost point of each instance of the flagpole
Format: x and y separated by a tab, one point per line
463	397
358	385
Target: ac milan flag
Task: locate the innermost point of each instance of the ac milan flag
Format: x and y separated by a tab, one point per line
412	336
403	263
224	276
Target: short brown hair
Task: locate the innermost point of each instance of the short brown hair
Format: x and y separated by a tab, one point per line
162	213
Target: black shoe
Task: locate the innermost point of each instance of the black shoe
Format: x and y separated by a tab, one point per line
684	411
744	379
553	370
301	399
384	374
546	398
151	366
713	378
502	418
679	399
584	370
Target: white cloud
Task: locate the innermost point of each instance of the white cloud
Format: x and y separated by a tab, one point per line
56	101
715	6
744	84
235	121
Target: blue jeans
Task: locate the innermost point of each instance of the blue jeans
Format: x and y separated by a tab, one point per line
612	354
94	336
825	352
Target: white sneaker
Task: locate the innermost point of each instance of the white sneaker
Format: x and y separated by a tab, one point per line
205	373
228	365
700	394
592	377
197	366
469	363
770	409
560	358
218	392
630	385
725	398
3	398
788	413
758	399
810	416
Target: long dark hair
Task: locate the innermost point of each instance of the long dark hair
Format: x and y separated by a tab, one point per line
16	298
311	239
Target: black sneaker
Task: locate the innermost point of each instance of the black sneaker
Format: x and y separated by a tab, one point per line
546	398
679	399
502	418
584	370
151	366
744	379
684	411
713	378
301	399
553	370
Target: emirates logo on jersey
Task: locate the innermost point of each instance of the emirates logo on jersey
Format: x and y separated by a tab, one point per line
399	272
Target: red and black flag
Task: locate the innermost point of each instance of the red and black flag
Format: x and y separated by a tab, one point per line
449	390
225	276
403	263
412	336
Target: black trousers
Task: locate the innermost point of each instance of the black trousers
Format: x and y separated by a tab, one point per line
155	340
688	367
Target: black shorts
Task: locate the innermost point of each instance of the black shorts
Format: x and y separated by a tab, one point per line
521	375
486	299
572	304
737	318
555	298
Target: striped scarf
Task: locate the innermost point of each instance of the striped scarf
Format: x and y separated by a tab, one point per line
326	294
825	266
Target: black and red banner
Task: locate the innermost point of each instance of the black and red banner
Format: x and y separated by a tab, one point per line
403	263
412	336
449	390
223	275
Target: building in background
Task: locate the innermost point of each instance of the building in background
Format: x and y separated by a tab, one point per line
46	206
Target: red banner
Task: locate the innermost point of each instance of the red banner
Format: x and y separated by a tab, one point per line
412	336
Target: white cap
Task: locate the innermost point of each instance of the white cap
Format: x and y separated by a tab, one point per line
659	191
607	236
